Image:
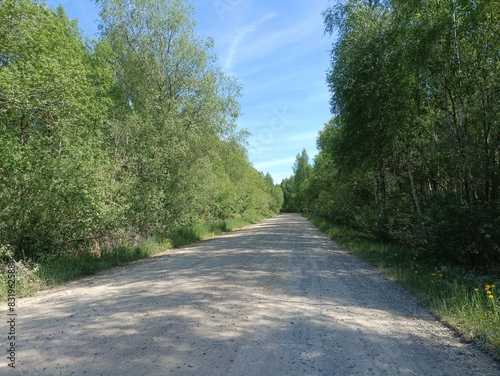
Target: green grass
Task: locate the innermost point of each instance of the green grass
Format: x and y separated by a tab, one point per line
202	231
63	269
459	296
31	277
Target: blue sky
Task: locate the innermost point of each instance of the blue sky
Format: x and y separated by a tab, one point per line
279	54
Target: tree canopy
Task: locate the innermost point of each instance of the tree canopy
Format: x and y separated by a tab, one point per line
130	135
412	152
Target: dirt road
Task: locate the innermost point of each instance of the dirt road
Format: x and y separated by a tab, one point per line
277	298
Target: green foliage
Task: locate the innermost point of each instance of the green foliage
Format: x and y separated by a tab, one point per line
458	233
127	137
54	168
58	270
287	189
26	279
177	116
188	235
411	153
295	188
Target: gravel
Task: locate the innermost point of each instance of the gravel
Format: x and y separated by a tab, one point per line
276	298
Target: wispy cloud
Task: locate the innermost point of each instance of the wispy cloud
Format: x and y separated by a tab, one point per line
274	163
240	36
304	136
294	39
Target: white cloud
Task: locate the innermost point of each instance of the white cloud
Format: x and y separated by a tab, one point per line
257	40
298	37
240	36
274	163
303	137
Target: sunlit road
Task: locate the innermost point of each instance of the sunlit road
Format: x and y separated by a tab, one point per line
277	298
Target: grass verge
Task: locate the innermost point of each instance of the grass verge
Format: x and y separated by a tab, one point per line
202	231
31	277
465	299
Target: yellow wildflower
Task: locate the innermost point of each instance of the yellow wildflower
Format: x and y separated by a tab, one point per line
476	289
491	297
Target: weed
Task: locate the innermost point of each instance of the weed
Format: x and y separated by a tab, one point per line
27	280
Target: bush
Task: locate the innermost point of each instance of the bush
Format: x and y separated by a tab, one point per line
461	234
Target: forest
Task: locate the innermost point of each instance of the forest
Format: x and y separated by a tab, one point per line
109	141
133	135
119	147
411	154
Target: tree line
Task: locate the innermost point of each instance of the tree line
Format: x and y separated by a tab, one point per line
126	136
412	151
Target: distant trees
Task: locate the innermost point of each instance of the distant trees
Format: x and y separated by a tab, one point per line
295	188
129	135
412	152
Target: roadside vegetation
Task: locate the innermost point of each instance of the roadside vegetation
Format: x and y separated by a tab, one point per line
464	298
408	170
116	148
54	270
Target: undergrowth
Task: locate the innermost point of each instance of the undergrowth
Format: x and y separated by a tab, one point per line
57	269
466	299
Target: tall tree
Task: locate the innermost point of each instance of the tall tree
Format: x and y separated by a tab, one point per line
415	123
50	115
127	136
178	105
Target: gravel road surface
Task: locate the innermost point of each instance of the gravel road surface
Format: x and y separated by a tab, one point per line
276	298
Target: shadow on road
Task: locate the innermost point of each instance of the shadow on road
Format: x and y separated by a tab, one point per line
273	299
